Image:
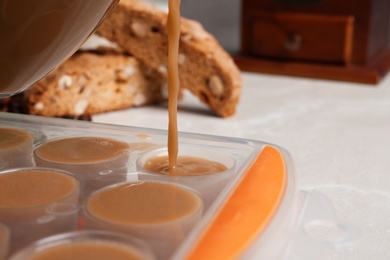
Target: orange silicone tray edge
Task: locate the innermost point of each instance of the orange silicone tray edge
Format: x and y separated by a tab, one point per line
246	212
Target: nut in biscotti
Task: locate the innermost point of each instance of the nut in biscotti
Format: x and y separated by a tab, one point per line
139	29
216	85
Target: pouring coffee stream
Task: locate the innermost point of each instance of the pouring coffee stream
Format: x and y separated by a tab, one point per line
173	25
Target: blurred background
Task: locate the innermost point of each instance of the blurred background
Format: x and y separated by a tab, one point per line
219	17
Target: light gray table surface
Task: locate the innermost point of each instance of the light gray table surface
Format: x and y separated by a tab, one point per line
337	132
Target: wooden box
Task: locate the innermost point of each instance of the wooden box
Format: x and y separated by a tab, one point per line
342	40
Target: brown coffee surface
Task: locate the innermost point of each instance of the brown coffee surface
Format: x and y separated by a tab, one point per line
143	203
36	36
10	137
28	188
81	150
96	250
185	166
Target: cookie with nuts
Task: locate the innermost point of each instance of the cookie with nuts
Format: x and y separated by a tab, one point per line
91	83
205	68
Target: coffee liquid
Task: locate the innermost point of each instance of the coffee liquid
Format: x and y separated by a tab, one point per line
185	166
173	25
143	203
12	137
96	250
31	188
81	150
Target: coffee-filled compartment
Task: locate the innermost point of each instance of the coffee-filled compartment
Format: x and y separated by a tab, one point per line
37	202
160	213
16	147
96	161
204	169
86	245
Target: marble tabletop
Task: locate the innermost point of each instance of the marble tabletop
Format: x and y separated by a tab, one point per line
337	132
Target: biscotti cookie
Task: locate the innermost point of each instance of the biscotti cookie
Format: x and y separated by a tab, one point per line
15	104
89	83
205	68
